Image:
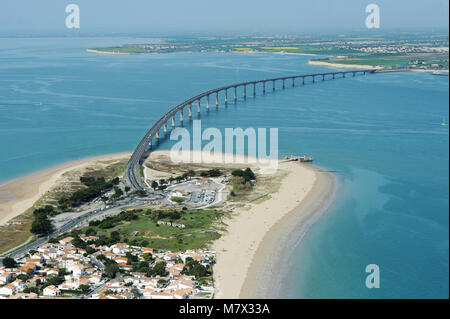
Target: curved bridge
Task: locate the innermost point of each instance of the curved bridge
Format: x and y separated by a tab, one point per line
132	169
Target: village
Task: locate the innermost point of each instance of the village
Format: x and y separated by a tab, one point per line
119	271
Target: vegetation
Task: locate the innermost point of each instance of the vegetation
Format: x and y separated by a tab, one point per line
195	268
41	224
215	172
178	199
247	174
199	230
94	188
9	262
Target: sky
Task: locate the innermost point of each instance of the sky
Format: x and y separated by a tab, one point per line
208	16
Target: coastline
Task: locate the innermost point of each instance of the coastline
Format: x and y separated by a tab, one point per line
341	65
244	263
287	233
20	194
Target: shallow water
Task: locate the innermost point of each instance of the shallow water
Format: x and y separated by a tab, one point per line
381	133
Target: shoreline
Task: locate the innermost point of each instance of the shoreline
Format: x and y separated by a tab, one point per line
244	263
288	234
21	193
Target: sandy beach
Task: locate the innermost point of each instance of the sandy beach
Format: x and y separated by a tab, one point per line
339	65
20	194
257	233
247	253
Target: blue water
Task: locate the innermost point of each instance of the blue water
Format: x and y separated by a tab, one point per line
381	133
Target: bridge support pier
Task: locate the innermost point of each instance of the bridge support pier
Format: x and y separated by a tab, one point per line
354	74
235	93
273	85
264	87
198	107
150	145
334	76
314	79
226	96
165	128
157	136
181	117
254	89
323	77
245	91
293	82
173	121
190	111
283	84
217	99
207	102
343	74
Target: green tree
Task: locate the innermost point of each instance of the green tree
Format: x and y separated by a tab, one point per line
9	262
111	270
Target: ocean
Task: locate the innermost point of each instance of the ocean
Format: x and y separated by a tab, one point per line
381	133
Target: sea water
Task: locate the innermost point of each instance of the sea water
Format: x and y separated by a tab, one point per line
381	133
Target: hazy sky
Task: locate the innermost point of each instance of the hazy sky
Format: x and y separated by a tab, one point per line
160	16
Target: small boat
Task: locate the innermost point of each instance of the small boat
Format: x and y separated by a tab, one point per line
443	122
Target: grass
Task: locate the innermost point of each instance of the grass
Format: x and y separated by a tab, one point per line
178	199
200	229
16	232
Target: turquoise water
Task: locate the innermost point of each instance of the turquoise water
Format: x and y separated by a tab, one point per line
381	133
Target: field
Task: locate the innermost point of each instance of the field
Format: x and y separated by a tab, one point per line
201	227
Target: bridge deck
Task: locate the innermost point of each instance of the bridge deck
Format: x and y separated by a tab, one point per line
131	169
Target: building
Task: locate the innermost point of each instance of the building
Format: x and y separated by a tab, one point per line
51	291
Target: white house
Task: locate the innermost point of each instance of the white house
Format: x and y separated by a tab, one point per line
51	291
177	193
7	290
5	277
76	269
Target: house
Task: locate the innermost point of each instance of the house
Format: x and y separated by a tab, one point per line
67	240
51	291
147	250
7	290
5	277
124	266
120	260
76	269
204	181
119	248
22	295
27	268
177	193
175	270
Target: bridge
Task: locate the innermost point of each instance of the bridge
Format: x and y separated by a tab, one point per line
132	168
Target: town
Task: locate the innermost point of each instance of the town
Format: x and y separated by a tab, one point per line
120	271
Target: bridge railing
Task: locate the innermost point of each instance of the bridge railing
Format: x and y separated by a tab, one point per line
140	149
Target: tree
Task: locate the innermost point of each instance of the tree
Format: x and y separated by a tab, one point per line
195	268
158	269
127	189
9	262
41	224
115	236
154	184
84	288
111	270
